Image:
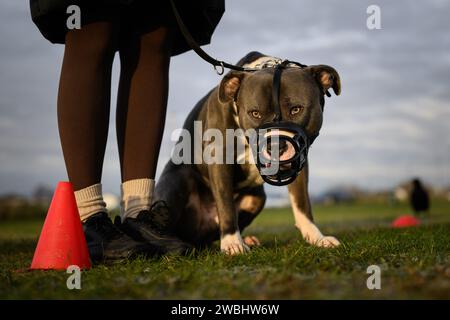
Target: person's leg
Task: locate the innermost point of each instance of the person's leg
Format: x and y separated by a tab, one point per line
141	111
83	110
83	117
145	52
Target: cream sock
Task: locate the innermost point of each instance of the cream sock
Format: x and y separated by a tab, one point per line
90	201
136	196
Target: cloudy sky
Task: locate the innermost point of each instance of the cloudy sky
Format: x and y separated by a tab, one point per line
390	123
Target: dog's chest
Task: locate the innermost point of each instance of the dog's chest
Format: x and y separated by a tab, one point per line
249	177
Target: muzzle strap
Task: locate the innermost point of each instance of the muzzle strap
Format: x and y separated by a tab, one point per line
276	85
276	88
298	141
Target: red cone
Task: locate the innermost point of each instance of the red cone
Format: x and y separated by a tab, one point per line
62	242
405	221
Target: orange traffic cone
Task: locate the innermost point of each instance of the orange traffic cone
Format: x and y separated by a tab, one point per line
62	242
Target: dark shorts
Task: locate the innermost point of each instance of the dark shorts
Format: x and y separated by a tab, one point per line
200	16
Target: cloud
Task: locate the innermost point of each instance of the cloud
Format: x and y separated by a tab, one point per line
391	121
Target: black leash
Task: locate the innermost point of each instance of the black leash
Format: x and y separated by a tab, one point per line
219	65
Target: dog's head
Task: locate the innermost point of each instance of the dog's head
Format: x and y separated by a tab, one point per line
301	103
301	96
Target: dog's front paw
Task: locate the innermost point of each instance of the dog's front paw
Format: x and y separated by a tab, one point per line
252	241
313	236
232	244
327	242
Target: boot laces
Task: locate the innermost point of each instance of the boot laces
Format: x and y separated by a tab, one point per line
104	226
157	216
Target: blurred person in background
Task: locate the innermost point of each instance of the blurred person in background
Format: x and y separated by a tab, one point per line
419	198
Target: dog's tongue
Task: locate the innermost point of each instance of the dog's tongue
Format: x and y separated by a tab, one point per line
288	154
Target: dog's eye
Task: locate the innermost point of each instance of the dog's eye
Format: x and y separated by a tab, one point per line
295	110
255	114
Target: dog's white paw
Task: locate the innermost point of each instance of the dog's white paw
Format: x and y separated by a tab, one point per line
327	242
313	236
232	244
252	241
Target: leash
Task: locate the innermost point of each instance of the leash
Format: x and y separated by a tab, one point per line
218	65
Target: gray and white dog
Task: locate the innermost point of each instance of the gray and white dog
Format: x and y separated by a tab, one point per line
217	201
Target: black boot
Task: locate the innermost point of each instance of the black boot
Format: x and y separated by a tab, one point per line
151	226
108	243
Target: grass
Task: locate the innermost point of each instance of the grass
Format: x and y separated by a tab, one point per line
414	262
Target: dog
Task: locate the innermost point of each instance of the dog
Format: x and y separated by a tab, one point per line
208	202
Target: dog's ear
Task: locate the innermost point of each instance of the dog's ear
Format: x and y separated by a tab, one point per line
229	86
327	77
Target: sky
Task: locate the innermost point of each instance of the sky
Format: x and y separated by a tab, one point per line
390	123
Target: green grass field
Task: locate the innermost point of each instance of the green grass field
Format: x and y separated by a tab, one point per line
414	262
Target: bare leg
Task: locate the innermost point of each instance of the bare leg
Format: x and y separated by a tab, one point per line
142	101
84	101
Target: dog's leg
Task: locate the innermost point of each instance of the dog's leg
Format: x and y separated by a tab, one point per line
173	188
249	204
301	206
221	177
